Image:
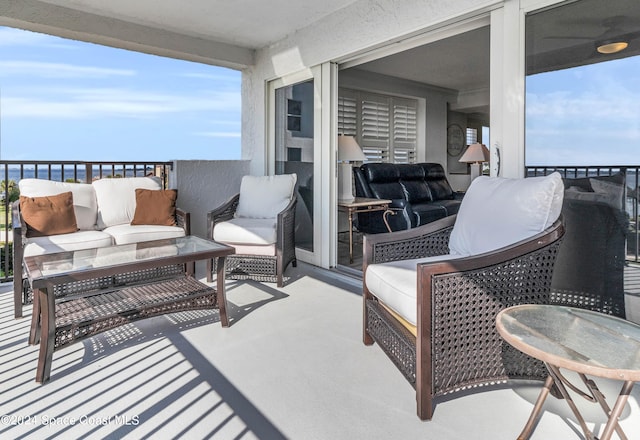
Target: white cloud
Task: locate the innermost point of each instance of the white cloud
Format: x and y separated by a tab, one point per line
86	103
58	70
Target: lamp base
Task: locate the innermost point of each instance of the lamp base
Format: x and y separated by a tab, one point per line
345	182
475	170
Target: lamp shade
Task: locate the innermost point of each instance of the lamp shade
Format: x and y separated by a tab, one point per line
476	153
349	150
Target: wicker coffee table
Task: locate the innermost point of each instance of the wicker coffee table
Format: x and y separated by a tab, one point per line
81	293
588	343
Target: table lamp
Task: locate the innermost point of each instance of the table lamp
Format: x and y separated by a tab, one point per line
348	151
474	156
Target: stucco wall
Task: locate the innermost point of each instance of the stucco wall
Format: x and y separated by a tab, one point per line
360	26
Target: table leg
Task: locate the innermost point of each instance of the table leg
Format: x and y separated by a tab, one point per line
220	292
34	333
47	335
612	423
537	409
350	236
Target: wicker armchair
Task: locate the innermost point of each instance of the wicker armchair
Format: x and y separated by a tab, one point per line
267	258
453	344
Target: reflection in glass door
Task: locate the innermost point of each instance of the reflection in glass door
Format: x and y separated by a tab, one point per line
294	151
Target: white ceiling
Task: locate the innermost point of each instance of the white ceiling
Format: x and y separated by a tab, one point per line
250	24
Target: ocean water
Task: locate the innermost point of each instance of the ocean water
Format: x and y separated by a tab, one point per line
58	174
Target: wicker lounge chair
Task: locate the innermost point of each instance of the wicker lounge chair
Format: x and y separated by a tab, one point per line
431	293
259	223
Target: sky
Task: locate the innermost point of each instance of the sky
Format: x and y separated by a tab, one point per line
67	100
588	115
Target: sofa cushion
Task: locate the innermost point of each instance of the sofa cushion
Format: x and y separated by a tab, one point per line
412	180
265	196
155	207
116	198
84	197
496	212
66	242
428	212
125	234
395	284
251	231
437	181
48	215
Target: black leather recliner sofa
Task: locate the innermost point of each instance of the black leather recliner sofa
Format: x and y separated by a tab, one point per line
419	194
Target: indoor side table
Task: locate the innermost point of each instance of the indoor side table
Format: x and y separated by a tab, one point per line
588	343
360	204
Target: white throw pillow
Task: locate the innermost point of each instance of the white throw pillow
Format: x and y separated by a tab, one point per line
265	196
84	197
496	212
117	198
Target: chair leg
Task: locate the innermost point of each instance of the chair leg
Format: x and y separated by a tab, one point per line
17	296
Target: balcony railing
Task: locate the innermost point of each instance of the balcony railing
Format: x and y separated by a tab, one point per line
11	172
631	174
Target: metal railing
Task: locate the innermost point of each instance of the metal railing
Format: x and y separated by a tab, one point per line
631	178
12	171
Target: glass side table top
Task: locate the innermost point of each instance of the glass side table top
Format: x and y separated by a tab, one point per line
580	340
49	265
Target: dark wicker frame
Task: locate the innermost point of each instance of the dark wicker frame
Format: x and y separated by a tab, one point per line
457	345
22	292
259	267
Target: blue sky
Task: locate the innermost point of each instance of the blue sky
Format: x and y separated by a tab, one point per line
67	100
588	115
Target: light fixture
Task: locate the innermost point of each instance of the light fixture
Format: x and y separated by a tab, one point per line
348	151
474	156
609	47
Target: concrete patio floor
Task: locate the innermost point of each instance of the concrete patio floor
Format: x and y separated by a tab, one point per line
292	365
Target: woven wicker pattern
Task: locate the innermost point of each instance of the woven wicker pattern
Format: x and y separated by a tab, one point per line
79	318
394	339
467	349
253	267
139	276
612	305
436	243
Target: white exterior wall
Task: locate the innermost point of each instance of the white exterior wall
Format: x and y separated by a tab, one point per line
359	27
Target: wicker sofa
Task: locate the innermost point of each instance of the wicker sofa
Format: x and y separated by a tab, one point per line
419	193
103	212
431	293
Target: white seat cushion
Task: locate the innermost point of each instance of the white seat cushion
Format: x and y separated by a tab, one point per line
496	212
85	205
66	242
395	284
250	231
117	198
125	234
265	196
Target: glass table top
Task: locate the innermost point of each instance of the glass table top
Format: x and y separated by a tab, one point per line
584	341
49	265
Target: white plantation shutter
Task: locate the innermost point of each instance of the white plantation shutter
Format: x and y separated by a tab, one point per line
405	131
384	126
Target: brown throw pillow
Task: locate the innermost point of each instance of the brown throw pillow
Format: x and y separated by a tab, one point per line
50	215
155	207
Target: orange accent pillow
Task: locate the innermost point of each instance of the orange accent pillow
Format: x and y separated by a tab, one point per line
49	215
155	207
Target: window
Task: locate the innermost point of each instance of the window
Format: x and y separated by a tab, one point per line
384	126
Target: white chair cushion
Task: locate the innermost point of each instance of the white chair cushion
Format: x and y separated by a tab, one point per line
125	234
267	250
249	231
395	284
117	198
66	242
496	212
265	196
84	197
